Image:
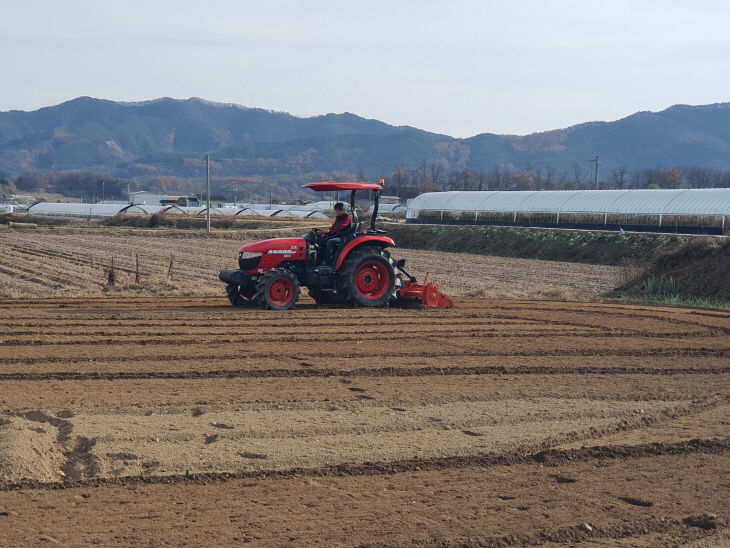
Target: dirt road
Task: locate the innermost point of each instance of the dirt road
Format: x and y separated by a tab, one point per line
185	421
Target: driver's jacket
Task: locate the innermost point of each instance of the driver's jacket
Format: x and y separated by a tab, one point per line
341	226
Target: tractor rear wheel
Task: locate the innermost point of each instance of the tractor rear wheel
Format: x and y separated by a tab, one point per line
368	278
277	289
239	296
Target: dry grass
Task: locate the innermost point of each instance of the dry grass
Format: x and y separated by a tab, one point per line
462	274
74	261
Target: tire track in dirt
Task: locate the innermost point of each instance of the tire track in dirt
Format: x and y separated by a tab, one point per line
609	314
78	259
644	310
496	508
688	352
149	393
28	276
487	327
90	337
546	457
194	323
38	269
670	316
79	462
712	329
364	372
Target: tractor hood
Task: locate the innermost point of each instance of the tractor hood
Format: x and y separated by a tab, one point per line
278	245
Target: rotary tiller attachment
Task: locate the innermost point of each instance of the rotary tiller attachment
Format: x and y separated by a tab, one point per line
426	293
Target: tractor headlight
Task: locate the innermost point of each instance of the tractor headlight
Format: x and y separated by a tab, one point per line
248	260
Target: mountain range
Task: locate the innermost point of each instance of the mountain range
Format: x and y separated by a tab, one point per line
169	137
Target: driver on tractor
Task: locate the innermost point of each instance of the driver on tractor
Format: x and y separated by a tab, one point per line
341	226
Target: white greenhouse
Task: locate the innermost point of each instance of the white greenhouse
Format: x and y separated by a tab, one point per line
96	212
85	211
704	211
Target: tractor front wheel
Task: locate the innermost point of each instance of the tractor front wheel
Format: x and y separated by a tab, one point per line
239	295
368	278
277	289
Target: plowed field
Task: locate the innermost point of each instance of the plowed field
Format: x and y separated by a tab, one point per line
74	262
498	423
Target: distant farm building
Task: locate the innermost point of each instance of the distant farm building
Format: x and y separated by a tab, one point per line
150	198
691	211
16	199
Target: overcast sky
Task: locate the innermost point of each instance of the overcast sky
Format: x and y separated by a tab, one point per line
454	67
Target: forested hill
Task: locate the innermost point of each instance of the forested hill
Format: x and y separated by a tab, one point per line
168	137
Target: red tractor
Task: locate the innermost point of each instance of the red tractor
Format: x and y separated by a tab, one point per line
363	273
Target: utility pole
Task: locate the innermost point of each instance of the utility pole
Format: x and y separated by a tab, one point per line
207	186
595	182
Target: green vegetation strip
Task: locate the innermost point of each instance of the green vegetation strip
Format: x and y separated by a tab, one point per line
690	302
604	248
695	274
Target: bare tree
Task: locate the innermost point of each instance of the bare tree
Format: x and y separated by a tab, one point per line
618	177
494	180
579	172
698	177
400	178
436	172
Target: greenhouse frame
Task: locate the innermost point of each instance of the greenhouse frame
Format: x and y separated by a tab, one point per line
96	212
88	211
689	211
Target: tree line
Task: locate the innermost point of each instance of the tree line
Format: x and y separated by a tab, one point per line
93	187
428	176
432	176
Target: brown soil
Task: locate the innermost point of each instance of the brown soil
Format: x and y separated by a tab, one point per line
185	421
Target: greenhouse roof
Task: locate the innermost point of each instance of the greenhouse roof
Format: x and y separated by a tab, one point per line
704	201
83	210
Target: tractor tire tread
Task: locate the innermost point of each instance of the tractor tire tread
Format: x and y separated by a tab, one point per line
233	296
262	288
346	278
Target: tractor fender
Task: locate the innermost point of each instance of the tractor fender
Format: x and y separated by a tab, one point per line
380	241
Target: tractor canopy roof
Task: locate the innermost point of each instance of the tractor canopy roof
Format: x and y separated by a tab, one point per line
335	185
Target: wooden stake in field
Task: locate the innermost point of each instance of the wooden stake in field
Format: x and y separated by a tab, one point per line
172	265
111	275
136	272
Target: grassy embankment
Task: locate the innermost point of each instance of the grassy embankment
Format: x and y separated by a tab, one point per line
604	248
659	269
695	274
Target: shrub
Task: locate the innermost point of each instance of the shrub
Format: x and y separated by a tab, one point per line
660	289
